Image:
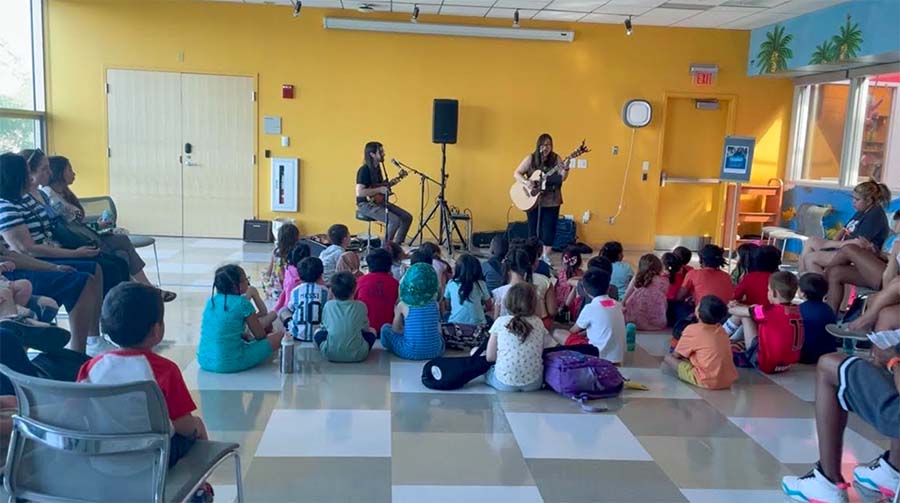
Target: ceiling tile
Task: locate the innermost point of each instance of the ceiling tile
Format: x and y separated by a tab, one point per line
470	3
522	4
378	6
717	16
332	4
508	13
604	18
408	8
664	17
456	10
705	3
268	2
804	6
754	3
556	15
576	5
628	7
752	21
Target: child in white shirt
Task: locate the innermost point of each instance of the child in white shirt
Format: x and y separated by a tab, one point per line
602	319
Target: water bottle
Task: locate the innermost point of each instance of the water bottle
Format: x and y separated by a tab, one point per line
849	346
287	355
630	335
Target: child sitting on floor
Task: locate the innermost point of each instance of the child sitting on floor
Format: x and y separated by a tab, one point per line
345	335
467	293
492	268
579	297
307	300
288	237
397	256
754	286
291	275
602	319
816	316
520	267
416	331
516	344
710	279
441	267
378	289
745	256
224	346
339	235
645	300
675	273
703	354
132	317
349	262
685	255
568	278
622	271
773	333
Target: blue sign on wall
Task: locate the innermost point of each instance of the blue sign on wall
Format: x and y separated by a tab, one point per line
737	158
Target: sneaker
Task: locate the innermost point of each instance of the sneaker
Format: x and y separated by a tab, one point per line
203	495
879	476
97	345
814	486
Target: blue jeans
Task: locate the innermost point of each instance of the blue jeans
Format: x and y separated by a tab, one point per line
495	383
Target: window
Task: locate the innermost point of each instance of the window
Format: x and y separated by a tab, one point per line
21	75
843	129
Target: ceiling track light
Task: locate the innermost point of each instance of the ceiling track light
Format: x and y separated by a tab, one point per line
297	6
516	19
628	27
415	14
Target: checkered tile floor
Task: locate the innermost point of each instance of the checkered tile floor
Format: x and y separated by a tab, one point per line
371	432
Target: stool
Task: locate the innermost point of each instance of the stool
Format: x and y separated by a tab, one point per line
368	220
466	219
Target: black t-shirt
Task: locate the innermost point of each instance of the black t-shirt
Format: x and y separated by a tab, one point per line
366	177
871	224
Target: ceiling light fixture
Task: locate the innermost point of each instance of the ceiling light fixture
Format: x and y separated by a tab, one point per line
516	19
415	16
628	27
297	6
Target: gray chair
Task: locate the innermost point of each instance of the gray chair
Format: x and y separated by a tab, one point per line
809	224
94	208
93	443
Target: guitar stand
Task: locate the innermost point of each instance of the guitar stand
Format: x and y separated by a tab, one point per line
446	224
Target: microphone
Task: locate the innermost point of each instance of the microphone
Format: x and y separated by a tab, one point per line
396	163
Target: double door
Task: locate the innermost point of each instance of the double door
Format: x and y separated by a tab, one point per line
181	152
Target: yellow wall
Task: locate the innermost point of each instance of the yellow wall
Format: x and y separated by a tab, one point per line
356	86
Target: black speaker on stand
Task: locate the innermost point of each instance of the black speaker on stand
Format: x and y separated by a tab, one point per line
444	125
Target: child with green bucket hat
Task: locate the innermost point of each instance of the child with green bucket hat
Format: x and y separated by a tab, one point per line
416	331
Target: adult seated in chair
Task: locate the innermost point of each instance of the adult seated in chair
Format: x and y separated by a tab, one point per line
861	266
868	227
66	204
372	190
882	310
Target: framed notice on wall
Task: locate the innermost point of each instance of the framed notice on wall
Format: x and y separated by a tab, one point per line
284	184
737	158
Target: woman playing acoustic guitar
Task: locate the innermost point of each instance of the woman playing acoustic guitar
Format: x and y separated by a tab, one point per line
372	191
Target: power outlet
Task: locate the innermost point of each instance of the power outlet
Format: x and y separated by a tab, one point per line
572	163
586	217
615	150
582	163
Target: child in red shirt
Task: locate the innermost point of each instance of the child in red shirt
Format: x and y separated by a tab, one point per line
710	279
378	289
132	317
773	334
753	289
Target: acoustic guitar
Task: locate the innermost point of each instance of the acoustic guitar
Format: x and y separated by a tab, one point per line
525	195
380	198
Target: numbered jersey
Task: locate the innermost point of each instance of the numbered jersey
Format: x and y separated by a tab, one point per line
780	337
307	301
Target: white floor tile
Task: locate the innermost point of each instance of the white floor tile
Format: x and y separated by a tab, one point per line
729	495
575	436
265	377
469	494
795	440
242	256
661	385
327	433
226	244
799	381
187	268
406	377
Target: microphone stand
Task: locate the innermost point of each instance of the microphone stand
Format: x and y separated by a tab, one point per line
422	223
386	215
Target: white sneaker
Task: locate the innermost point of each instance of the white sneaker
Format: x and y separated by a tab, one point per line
877	476
814	487
97	345
546	259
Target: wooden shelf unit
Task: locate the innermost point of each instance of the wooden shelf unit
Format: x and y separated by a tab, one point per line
758	206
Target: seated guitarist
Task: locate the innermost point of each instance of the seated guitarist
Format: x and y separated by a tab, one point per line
371	195
544	159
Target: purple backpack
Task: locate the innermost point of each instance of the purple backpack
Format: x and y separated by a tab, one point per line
581	377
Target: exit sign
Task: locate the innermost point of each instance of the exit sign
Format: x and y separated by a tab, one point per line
704	79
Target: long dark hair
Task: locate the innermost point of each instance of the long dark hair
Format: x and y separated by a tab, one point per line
672	264
288	236
552	158
745	257
227	281
571	260
649	267
519	261
467	273
33	157
13	177
520	301
371	148
58	165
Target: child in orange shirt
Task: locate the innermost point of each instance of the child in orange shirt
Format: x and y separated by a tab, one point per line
703	354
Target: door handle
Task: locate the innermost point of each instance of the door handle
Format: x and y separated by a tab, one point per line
188	148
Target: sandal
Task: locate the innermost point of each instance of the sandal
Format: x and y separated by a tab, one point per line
37	335
168	296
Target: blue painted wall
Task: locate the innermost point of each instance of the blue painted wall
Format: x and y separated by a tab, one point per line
875	21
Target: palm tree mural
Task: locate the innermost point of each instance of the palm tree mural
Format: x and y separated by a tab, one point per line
826	52
848	41
774	53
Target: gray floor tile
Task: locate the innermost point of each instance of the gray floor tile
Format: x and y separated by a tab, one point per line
312	363
445	413
576	481
715	463
336	391
547	401
458	459
641	358
669	417
757	401
235	410
289	480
